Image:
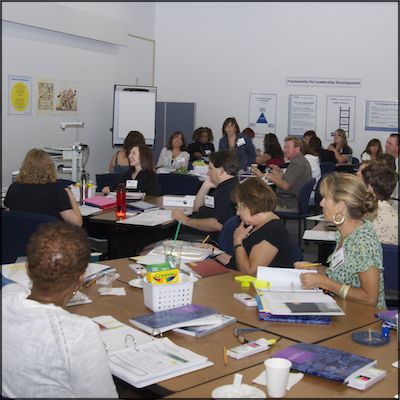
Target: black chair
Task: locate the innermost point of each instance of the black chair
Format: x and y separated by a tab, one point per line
105	180
16	229
225	238
391	274
303	208
179	184
327	168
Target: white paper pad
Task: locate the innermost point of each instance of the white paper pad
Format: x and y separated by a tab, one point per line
293	379
117	291
311	234
88	210
151	218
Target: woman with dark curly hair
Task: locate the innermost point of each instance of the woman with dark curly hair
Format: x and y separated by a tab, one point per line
202	144
49	352
273	153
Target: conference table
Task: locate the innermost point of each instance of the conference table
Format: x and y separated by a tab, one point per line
217	292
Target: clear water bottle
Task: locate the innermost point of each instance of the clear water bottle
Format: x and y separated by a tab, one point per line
83	188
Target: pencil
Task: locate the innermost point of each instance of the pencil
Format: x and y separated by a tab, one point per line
205	239
311	264
225	357
92	281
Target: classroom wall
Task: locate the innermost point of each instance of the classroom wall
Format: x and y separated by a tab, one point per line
215	54
95	65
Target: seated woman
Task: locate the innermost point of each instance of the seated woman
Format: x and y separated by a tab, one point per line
119	161
273	154
174	156
339	147
381	181
372	151
355	267
241	145
51	353
261	238
36	190
141	170
202	144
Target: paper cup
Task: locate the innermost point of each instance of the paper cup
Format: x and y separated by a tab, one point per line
277	370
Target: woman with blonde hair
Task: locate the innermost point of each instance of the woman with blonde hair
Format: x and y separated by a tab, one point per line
355	270
340	148
36	190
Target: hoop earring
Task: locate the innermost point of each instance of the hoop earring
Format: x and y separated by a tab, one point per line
337	223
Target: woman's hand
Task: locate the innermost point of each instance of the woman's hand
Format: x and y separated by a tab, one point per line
310	280
255	171
241	233
106	190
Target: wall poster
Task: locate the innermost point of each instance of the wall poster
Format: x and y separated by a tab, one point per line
19	95
340	113
302	115
382	116
262	113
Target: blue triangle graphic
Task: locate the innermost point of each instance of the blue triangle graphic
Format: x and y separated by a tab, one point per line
262	119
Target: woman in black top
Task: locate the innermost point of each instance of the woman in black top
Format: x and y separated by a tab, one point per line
261	238
202	144
141	170
339	147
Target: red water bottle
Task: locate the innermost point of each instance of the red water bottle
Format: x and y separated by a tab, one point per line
121	202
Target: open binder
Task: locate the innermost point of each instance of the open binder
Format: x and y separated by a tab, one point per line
142	360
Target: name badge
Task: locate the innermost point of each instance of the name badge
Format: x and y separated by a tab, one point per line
131	184
337	259
209	201
240	142
207	152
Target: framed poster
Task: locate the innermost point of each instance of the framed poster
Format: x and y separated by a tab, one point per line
262	113
382	116
19	95
340	113
302	115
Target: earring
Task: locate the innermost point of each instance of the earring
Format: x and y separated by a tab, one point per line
337	223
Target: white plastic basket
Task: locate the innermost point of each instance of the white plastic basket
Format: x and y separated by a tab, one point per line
160	297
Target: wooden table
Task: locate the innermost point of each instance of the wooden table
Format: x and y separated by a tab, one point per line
217	291
313	386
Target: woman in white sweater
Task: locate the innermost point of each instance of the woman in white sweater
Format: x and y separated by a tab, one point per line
47	351
174	155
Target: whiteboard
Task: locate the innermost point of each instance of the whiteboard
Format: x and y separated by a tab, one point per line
134	110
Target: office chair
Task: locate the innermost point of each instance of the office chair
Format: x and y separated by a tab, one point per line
391	274
327	167
16	229
105	180
303	208
225	237
179	184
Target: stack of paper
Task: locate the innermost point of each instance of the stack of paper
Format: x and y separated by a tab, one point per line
141	360
151	218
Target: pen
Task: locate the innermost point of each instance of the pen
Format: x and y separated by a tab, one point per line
205	239
225	357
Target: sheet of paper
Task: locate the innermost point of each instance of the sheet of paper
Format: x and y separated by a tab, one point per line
151	218
88	210
282	279
311	234
17	273
117	291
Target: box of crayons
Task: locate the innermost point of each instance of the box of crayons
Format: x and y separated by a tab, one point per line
161	274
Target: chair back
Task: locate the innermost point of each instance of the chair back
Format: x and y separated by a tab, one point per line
327	167
225	238
105	180
355	161
391	265
16	229
179	184
295	253
304	197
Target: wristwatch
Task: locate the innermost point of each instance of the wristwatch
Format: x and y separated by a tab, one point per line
237	245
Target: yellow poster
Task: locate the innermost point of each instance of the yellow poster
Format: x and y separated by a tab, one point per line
19	95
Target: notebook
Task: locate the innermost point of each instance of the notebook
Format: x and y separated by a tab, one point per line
324	362
162	321
140	359
203	330
101	201
142	206
207	267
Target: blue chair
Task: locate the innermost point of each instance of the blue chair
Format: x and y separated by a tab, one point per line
327	168
179	184
391	274
105	180
16	229
303	208
225	238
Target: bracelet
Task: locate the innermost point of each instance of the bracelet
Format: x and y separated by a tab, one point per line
237	245
344	289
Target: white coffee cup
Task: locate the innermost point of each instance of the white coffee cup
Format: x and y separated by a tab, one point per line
277	370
